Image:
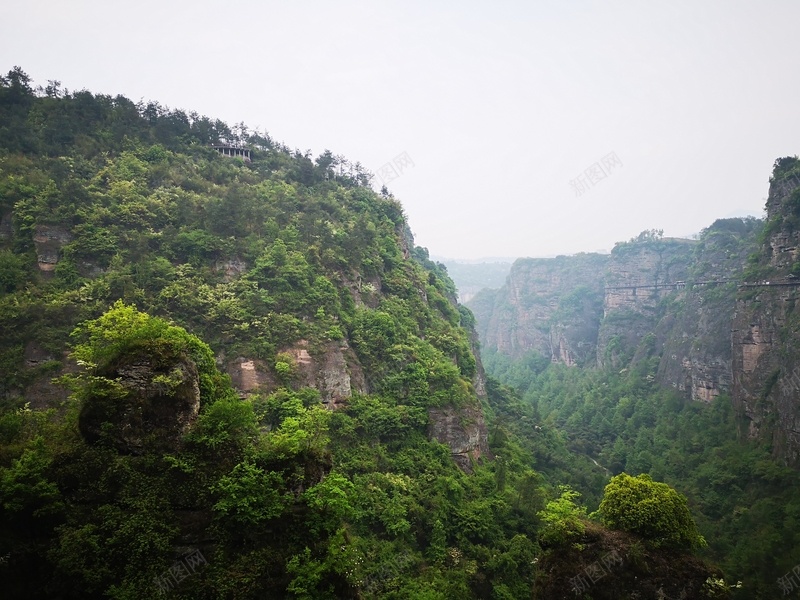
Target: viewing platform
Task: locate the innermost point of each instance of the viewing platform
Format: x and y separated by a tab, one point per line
233	151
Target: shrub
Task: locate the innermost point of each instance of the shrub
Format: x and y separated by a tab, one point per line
562	518
650	509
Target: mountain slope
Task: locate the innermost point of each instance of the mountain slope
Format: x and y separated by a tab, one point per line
262	388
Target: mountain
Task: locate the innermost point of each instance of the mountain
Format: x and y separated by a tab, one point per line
227	371
675	359
716	313
765	361
668	298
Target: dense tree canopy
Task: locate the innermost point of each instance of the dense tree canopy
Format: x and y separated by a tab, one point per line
627	424
651	509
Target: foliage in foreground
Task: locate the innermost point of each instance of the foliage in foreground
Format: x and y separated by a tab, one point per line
651	509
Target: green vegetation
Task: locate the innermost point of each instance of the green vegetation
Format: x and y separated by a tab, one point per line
653	510
282	495
786	172
136	265
745	504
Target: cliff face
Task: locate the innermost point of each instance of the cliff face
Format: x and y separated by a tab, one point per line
552	306
695	330
332	366
718	314
669	300
694	336
585	309
464	429
766	360
638	278
156	402
296	276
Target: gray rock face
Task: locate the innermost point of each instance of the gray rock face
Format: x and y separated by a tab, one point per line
338	374
766	364
335	372
638	278
249	375
552	306
695	337
463	429
671	299
231	269
48	240
153	404
585	309
766	358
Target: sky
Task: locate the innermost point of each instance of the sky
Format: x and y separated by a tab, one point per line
506	129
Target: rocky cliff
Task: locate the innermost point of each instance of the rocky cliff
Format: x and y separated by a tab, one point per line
694	332
766	324
277	313
152	404
640	274
552	306
717	314
666	300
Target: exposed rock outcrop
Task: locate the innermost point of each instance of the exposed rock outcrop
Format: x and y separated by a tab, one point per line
231	269
463	429
638	278
48	240
766	325
669	299
146	404
249	375
552	306
609	565
697	321
334	370
715	320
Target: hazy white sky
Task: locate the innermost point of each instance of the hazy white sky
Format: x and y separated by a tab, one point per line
499	105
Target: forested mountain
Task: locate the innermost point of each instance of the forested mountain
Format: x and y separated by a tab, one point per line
675	359
233	375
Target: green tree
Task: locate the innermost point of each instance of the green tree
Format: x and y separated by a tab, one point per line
13	271
562	518
329	500
249	495
123	330
650	509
